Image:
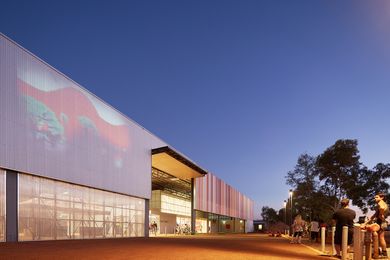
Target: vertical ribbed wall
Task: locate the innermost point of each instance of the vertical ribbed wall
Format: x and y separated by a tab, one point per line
215	196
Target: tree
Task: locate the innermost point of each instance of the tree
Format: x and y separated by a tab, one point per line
269	215
304	172
309	200
370	182
338	169
321	182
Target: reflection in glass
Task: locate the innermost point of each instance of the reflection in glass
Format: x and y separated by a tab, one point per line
50	210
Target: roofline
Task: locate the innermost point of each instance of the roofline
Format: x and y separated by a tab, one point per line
179	157
125	116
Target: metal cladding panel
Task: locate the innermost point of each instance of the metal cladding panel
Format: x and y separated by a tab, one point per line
214	195
52	127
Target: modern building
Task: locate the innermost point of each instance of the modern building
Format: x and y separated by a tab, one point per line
259	225
73	167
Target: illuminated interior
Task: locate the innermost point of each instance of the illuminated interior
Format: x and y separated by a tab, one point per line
52	210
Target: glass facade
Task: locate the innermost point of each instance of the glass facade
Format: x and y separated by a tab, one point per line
51	210
174	205
2	205
171	204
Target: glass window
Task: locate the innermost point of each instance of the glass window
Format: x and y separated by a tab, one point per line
174	205
76	229
50	210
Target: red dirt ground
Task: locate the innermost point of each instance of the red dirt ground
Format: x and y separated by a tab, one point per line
246	246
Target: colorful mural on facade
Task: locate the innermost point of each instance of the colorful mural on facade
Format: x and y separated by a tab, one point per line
52	127
60	113
215	196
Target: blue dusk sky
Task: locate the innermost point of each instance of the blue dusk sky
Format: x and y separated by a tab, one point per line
240	87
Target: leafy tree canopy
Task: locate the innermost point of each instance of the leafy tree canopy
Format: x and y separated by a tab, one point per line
338	168
320	182
269	215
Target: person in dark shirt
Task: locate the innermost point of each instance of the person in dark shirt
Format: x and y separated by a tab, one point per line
343	217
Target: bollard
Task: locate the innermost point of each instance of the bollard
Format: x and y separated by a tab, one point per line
333	248
358	234
367	244
344	243
375	244
323	239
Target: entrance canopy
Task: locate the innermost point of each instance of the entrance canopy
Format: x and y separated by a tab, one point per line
177	165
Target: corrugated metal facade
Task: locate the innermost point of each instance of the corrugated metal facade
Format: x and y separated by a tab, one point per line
214	195
52	127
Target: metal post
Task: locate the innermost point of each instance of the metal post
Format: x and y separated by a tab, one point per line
344	243
375	244
333	247
323	239
285	217
358	234
367	243
291	201
291	209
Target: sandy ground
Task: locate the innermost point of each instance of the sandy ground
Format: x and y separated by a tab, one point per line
245	246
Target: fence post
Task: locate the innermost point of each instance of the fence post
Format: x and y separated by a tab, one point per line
358	234
323	239
344	243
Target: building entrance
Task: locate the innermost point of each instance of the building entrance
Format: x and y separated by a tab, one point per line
170	205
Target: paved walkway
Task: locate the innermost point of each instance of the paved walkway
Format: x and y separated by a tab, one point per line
246	246
316	247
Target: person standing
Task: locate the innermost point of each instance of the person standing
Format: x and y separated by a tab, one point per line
378	225
154	228
343	217
298	227
314	229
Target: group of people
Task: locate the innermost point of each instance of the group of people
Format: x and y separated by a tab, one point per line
376	224
345	216
183	229
300	226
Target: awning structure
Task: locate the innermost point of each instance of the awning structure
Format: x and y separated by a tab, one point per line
168	160
170	184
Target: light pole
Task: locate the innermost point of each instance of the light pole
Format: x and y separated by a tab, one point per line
291	201
285	216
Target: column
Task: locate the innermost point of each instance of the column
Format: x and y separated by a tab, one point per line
193	213
11	206
146	228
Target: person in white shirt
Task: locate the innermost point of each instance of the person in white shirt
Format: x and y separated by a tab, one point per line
314	229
